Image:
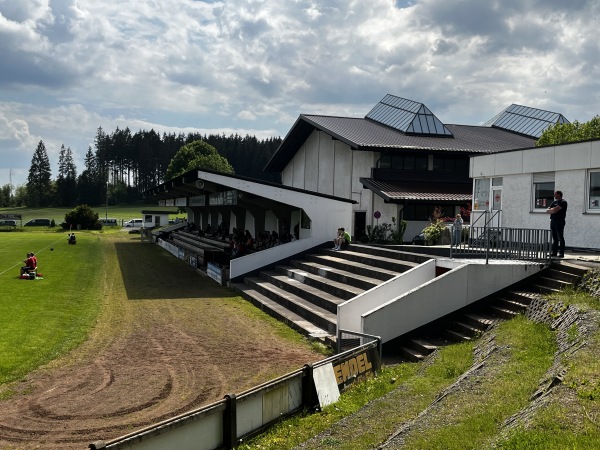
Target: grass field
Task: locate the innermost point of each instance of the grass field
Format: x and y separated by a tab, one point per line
40	319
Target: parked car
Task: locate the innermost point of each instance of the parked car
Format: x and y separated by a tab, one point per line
38	223
134	223
109	222
8	223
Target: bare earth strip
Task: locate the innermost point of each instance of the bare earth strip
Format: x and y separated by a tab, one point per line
167	340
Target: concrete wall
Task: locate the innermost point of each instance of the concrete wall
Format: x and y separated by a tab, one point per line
461	286
570	164
349	313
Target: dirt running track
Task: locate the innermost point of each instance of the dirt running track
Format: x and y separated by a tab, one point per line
167	340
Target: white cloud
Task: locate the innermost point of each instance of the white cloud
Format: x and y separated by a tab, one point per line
254	65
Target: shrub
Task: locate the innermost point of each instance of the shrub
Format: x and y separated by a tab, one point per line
84	216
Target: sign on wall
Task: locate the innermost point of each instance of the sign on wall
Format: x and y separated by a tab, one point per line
181	201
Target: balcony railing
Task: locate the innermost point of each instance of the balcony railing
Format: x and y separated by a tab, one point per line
495	242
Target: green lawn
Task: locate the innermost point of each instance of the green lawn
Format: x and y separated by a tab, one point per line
40	319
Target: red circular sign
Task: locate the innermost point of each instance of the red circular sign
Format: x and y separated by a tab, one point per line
377	214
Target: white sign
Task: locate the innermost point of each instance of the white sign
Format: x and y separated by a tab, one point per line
326	385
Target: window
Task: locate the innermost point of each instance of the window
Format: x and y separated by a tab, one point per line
594	191
403	162
543	189
481	196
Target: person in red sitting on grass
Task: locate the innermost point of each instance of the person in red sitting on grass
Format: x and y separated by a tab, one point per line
30	264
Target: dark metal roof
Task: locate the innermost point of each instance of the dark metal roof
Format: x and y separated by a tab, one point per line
186	185
365	134
407	116
399	191
525	120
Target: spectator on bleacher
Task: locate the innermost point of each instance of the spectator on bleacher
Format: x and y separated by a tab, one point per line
207	230
248	241
274	239
262	240
238	248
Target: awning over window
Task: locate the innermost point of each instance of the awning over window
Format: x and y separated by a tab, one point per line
399	191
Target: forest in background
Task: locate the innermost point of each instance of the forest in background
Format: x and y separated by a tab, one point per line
122	165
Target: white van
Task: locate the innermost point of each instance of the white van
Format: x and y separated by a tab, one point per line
137	223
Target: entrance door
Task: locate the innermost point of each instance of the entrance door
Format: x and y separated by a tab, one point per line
360	225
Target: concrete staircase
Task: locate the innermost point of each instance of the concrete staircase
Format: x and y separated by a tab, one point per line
305	292
475	319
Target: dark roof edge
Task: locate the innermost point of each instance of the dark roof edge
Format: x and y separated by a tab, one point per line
192	175
541	146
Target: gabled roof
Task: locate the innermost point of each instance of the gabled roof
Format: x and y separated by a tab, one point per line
397	123
367	135
400	191
525	120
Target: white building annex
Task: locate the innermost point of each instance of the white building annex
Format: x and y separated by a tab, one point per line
520	185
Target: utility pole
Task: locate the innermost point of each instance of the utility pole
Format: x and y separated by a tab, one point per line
106	201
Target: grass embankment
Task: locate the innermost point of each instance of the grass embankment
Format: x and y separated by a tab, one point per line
41	319
439	409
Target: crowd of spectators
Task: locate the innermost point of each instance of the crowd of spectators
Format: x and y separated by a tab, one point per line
242	242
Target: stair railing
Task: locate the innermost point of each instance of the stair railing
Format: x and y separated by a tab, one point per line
498	242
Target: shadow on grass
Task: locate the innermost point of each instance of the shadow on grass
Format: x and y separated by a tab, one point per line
151	273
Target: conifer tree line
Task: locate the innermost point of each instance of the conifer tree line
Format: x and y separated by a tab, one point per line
126	165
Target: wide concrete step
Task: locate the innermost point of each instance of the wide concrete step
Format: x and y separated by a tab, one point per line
558	274
385	262
552	283
390	253
335	288
331	260
283	314
319	316
312	294
339	275
570	267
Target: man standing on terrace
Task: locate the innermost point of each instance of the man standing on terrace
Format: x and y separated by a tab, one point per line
558	214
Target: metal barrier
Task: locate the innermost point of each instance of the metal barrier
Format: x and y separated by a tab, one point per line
226	423
504	243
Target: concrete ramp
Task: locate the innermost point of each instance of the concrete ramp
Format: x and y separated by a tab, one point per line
426	293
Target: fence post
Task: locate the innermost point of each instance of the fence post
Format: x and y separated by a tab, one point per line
307	387
230	422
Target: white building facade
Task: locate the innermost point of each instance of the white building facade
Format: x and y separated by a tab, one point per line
520	185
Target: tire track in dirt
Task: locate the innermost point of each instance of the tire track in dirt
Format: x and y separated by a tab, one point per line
147	359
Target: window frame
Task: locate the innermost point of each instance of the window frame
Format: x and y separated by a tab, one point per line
541	203
594	209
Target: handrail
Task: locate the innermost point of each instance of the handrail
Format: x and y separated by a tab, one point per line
504	243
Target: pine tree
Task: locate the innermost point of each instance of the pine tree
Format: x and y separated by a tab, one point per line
66	182
38	181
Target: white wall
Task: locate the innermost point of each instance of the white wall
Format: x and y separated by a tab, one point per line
464	284
570	164
349	313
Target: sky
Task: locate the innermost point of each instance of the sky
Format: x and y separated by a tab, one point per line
253	66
